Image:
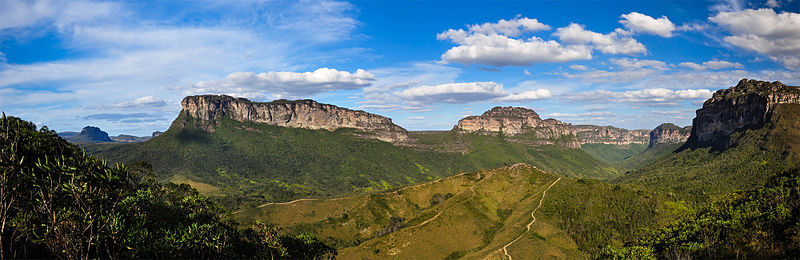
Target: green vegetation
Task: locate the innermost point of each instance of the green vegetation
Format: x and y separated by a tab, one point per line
484	210
755	156
760	224
252	163
57	202
649	155
611	153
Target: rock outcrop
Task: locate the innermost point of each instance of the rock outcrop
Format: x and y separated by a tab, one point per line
668	133
749	104
91	134
309	114
520	125
130	138
592	134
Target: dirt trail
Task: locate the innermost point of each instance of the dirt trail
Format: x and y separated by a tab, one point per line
505	248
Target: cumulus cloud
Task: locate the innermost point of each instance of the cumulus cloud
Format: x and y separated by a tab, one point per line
283	83
633	63
526	96
712	64
142	102
616	42
578	67
493	44
643	23
466	92
644	97
765	32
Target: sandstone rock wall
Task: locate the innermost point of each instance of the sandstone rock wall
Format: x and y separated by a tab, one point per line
206	109
668	133
748	104
522	125
593	134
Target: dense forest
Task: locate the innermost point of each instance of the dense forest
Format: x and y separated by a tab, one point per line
57	202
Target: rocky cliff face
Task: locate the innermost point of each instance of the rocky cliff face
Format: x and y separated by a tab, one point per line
520	125
668	133
309	114
749	104
593	134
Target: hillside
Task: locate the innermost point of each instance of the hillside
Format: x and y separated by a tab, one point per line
740	138
481	211
243	162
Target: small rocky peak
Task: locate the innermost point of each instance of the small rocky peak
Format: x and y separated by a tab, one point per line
513	112
91	134
668	133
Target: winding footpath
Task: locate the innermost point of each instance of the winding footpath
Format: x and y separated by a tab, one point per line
505	248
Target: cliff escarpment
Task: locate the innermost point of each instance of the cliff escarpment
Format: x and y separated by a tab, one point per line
668	133
592	134
520	125
309	114
748	105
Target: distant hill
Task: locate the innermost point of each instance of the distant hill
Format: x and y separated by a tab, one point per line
298	149
741	137
90	134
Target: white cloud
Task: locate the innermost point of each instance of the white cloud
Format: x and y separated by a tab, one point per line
604	76
633	63
642	23
526	96
578	67
283	83
513	27
612	43
466	92
773	3
527	73
644	97
712	64
493	44
766	32
142	102
453	92
727	6
15	14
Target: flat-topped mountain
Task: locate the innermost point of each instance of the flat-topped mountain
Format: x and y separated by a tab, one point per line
668	133
309	114
749	104
90	134
521	123
592	134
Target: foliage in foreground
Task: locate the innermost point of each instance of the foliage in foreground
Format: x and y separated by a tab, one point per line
764	223
57	202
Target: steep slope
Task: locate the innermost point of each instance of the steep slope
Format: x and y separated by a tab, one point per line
476	215
243	161
741	137
664	139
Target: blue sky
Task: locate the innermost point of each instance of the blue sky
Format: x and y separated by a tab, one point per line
125	66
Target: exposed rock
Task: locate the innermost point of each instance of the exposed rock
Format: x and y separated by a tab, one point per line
91	134
156	133
668	133
749	104
522	125
309	114
592	134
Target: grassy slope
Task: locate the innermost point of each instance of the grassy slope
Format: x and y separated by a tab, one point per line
647	156
487	210
758	155
254	163
611	153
